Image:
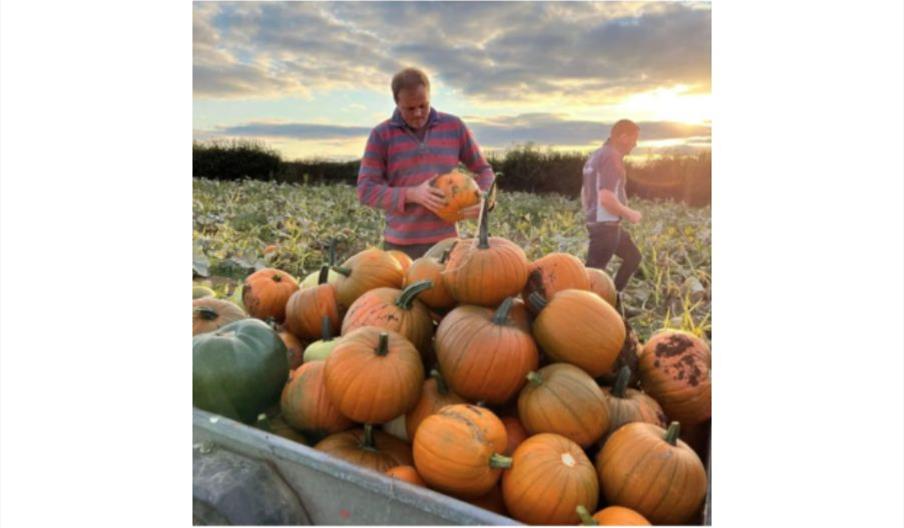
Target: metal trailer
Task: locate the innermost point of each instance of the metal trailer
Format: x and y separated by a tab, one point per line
244	475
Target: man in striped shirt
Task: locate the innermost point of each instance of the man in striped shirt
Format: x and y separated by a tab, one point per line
402	156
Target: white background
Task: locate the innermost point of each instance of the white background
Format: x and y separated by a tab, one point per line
95	227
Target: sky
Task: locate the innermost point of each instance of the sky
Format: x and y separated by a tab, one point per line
311	79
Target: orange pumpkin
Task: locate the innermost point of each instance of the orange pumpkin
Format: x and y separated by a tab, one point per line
364	271
563	399
460	191
434	396
431	268
648	469
580	328
396	310
373	375
612	516
305	404
458	450
365	447
483	354
629	405
515	432
402	257
603	285
553	273
406	473
307	307
294	348
265	293
675	370
549	478
209	314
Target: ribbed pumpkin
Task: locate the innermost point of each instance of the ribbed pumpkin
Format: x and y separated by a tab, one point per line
629	405
580	328
307	307
563	399
675	370
553	273
486	270
484	354
305	404
612	516
602	284
396	310
294	348
373	375
549	478
515	432
208	314
460	191
403	259
459	450
265	293
364	271
407	474
648	469
365	447
434	396
320	349
430	268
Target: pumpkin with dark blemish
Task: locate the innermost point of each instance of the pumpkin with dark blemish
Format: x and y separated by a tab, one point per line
209	314
307	307
553	273
460	191
675	370
265	293
294	348
396	310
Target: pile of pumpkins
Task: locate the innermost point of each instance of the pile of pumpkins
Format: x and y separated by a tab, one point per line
471	371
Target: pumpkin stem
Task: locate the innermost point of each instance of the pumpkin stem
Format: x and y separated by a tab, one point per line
447	252
208	314
326	329
498	461
586	518
411	291
441	386
324	274
332	251
535	378
383	347
368	437
342	271
277	277
484	236
502	313
263	423
671	436
537	301
621	382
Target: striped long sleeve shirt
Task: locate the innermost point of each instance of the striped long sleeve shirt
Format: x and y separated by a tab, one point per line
395	158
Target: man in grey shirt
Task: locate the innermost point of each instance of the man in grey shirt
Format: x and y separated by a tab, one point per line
605	203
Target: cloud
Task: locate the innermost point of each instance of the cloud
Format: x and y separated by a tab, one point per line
294	130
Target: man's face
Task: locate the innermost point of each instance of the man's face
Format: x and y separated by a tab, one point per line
414	105
627	142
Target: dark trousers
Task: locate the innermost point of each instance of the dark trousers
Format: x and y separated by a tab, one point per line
607	239
412	250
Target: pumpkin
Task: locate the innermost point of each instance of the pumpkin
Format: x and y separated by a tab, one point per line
320	350
492	501
549	478
238	370
515	432
279	427
265	293
486	270
612	516
396	310
627	357
580	328
305	404
208	314
434	396
373	375
307	307
484	354
459	449
199	292
603	285
402	257
367	448
460	191
294	348
648	469
675	370
629	405
313	278
431	268
562	399
407	474
364	271
553	273
436	250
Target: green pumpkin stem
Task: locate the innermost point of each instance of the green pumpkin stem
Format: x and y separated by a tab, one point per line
447	252
498	461
324	274
332	251
345	272
621	382
671	436
368	437
586	518
441	386
484	234
383	347
326	329
537	301
411	291
502	313
263	423
535	378
208	314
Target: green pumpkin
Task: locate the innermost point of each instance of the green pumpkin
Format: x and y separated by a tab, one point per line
319	350
312	279
238	370
199	292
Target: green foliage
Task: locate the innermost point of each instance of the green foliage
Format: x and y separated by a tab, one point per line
235	221
234	160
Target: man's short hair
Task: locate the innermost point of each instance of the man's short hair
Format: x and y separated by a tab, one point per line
408	78
623	126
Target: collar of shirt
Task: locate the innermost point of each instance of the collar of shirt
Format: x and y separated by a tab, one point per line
397	120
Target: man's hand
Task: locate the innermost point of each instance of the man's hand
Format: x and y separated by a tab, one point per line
424	194
633	216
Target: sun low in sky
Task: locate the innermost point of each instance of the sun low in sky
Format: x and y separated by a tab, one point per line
310	79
